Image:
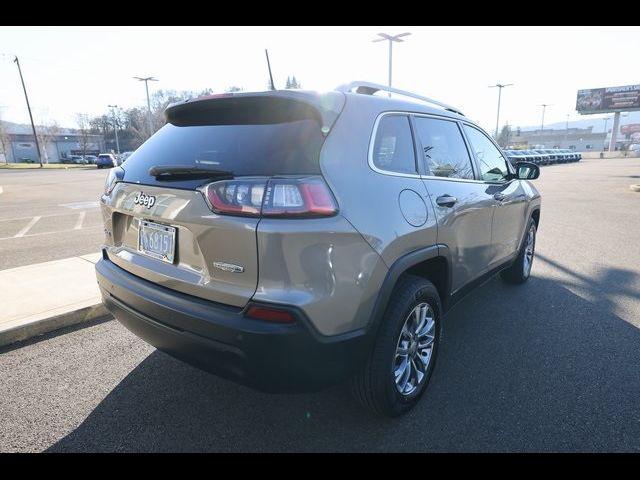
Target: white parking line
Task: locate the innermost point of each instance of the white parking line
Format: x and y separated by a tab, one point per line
49	233
80	220
80	205
41	216
27	227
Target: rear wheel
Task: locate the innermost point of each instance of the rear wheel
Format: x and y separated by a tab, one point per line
403	357
520	271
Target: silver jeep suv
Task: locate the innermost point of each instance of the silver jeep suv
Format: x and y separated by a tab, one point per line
289	240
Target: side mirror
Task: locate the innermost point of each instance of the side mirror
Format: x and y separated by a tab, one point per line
527	171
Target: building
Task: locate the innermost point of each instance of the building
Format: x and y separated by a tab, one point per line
579	139
59	146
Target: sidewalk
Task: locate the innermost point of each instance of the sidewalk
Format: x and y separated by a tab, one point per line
39	298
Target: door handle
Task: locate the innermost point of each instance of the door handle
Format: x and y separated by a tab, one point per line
501	197
446	201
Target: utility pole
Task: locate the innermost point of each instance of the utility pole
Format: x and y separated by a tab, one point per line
115	126
33	127
146	81
391	39
500	87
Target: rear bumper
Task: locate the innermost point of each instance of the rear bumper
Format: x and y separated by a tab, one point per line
220	339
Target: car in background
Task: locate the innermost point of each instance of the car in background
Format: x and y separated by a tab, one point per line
77	159
532	156
124	156
106	160
91	159
573	156
515	156
553	155
545	157
634	149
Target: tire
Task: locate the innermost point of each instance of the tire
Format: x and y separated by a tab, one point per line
520	271
375	386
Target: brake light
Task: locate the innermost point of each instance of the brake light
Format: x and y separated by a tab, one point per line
236	197
270	314
271	197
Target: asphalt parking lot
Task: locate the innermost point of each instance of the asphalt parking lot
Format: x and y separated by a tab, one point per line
550	366
49	214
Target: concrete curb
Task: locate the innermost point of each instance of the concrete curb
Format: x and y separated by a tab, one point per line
46	325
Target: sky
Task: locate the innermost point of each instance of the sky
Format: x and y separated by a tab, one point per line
71	70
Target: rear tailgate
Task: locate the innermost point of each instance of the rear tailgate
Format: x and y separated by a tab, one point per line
211	256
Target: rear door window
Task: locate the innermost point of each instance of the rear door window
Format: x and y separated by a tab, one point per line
393	146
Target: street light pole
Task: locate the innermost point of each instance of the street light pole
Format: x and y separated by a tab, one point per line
500	87
391	39
115	125
33	127
146	81
544	107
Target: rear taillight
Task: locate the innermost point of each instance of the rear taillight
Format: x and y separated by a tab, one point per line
271	197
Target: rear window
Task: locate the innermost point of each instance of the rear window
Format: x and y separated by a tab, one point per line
246	136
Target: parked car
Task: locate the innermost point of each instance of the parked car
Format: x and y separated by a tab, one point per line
570	154
107	160
91	159
255	255
515	156
533	156
124	156
563	156
77	159
545	157
553	155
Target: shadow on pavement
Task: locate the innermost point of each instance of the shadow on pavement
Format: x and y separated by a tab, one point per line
531	368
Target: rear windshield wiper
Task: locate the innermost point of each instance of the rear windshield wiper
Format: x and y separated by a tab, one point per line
173	171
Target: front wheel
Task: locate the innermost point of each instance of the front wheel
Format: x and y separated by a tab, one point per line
403	357
520	271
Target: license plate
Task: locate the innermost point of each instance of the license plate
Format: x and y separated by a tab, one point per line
157	241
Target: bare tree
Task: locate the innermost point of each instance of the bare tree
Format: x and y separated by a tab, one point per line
46	133
505	136
82	120
5	140
292	83
136	124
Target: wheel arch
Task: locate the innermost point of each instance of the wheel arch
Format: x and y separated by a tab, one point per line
431	263
535	214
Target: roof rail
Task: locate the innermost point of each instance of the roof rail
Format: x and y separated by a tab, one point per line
369	88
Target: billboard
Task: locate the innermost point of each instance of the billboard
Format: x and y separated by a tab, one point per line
630	128
610	99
